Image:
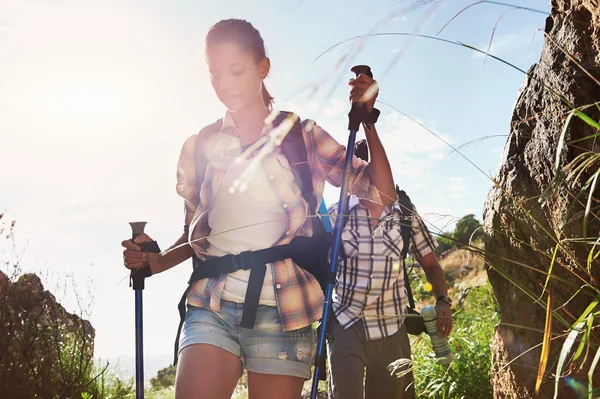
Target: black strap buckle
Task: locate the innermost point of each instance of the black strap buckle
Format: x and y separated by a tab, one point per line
246	260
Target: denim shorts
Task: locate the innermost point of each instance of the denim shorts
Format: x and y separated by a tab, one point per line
264	349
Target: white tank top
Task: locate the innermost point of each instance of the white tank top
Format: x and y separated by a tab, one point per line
241	220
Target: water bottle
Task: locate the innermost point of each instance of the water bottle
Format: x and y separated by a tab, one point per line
440	345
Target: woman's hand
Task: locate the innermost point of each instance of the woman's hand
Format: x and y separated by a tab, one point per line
134	257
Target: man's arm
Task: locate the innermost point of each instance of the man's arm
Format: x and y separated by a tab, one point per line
379	167
436	277
365	90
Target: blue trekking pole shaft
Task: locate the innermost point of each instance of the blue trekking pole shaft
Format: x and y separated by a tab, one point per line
337	235
355	119
139	346
138	286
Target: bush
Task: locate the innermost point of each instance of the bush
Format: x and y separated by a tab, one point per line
469	374
165	378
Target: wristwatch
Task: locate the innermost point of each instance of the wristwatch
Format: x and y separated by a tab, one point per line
444	298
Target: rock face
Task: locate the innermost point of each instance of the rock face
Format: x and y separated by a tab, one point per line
45	352
524	215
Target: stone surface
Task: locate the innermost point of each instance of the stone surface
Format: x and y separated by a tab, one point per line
523	216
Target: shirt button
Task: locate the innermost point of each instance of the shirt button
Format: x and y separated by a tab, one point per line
287	233
271	177
278	286
371	276
284	206
372	256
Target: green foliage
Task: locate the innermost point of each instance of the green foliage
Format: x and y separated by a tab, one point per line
465	227
109	385
163	393
462	234
165	378
445	243
469	374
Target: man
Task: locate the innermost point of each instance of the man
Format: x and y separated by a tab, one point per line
370	301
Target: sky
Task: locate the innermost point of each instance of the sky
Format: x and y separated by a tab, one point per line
97	98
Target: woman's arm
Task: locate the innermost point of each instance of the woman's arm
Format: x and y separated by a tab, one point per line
135	258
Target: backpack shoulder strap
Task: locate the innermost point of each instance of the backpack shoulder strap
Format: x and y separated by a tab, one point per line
200	160
407	209
294	149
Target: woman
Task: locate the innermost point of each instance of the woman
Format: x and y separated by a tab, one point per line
234	211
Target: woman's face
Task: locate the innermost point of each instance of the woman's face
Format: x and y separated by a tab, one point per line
235	75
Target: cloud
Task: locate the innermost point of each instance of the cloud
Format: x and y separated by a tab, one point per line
413	151
455	189
305	110
336	108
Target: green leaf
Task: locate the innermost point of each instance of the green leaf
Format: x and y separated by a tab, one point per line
587	311
587	119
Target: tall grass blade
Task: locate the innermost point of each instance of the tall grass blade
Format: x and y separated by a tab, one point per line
545	346
566	348
561	142
591	256
587	119
550	270
591	374
588	206
583	342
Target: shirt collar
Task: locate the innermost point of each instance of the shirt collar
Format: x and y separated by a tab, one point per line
230	127
354	201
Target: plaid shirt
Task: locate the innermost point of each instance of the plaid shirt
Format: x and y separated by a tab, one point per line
298	295
370	283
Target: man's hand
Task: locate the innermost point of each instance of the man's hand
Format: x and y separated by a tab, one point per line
444	319
364	90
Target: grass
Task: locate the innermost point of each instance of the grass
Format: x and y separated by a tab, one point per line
469	374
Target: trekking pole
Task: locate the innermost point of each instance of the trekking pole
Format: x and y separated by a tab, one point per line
137	277
355	117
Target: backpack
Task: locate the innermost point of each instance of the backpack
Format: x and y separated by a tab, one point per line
414	323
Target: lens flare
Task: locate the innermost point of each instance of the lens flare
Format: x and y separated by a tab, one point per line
580	388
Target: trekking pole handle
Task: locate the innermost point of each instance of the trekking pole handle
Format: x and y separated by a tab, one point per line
138	276
362	69
137	228
358	113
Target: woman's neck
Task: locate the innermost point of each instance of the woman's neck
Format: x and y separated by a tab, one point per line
250	122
